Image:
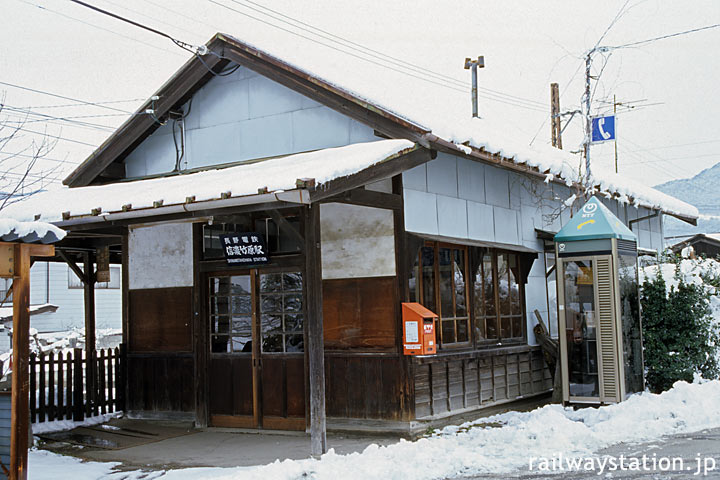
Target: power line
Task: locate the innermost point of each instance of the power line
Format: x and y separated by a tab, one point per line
676	145
704	155
650	40
184	45
97	27
95	104
25	155
372	52
65	139
371	59
69	105
51	119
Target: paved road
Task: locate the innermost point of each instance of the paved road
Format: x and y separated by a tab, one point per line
699	449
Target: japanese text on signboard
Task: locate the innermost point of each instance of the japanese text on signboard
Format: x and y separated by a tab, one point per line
244	248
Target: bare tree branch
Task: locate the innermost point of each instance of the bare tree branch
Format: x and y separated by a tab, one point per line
22	172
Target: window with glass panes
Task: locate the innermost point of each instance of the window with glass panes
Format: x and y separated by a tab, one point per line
497	292
279	311
439	282
231	314
281	314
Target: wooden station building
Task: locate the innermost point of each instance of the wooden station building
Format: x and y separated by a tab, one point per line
361	208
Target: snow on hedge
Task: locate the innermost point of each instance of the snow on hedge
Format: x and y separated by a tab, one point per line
499	444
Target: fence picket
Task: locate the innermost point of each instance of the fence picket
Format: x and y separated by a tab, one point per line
60	391
41	393
50	408
33	387
75	386
110	379
101	383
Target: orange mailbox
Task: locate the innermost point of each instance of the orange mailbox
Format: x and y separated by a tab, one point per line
418	330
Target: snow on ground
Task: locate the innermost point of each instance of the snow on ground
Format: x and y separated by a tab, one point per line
61	425
493	445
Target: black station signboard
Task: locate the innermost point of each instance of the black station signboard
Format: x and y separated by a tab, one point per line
246	248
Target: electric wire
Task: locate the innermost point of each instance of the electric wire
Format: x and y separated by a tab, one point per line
84	102
184	45
61	138
372	52
442	83
97	26
663	37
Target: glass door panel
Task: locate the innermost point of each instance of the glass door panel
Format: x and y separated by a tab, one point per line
580	329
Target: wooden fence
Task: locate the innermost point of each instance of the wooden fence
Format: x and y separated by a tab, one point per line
73	385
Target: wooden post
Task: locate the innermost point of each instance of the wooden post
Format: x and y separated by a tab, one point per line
20	377
201	345
89	291
315	345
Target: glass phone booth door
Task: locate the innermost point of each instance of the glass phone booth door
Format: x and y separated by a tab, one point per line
581	328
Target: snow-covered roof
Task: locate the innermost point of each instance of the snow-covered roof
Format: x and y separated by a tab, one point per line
27	231
271	177
436	116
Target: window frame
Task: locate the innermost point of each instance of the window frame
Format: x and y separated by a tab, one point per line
499	340
437	291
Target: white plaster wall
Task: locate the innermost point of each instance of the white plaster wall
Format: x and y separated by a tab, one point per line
160	256
245	116
356	241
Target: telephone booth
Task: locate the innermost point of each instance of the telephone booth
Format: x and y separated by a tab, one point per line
598	308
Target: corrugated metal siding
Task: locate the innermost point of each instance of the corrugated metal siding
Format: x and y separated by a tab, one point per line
5	412
245	116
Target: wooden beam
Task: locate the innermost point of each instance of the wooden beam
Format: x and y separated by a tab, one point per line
386	169
285	225
73	266
20	415
368	198
314	340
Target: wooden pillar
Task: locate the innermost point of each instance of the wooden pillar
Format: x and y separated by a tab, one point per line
315	345
89	291
201	345
20	415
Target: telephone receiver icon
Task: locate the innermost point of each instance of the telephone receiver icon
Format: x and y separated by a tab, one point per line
601	124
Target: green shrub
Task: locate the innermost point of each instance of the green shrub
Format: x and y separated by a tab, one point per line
677	334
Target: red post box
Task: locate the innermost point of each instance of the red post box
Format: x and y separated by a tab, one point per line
418	330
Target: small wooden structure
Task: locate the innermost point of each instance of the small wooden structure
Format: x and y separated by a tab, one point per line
707	244
16	256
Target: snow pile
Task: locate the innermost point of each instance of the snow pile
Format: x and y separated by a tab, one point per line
29	231
495	445
62	425
276	175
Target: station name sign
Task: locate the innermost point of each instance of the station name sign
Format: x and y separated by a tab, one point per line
244	248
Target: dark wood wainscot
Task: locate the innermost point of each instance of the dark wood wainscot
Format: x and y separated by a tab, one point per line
160	359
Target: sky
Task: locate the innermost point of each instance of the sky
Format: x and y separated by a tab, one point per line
666	123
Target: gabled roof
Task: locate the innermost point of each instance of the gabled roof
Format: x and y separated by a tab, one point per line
364	95
594	221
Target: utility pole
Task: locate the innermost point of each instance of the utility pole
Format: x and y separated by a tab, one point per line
615	104
474	64
555	124
588	132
